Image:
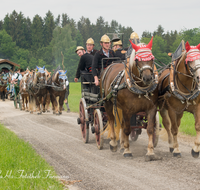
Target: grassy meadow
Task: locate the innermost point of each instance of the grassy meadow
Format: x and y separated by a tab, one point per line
187	121
21	167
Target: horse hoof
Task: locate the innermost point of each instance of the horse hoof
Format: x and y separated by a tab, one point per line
177	155
68	110
121	150
60	113
152	158
171	149
195	154
31	112
48	110
128	155
39	113
113	148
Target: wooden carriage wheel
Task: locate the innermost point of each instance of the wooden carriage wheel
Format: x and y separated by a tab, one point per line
134	135
83	115
98	125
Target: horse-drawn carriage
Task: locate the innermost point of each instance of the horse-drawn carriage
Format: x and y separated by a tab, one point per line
92	109
6	68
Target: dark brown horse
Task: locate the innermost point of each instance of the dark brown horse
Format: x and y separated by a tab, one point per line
58	89
3	86
137	92
179	89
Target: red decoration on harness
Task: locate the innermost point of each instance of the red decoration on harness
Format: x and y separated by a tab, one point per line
143	52
193	52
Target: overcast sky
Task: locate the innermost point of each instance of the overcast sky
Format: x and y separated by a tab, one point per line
141	15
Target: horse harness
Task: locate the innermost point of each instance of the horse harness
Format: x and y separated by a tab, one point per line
172	88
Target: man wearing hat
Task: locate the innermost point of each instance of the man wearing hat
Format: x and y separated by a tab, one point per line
119	51
90	46
104	52
84	66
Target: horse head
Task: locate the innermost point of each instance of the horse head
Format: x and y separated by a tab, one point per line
141	61
193	60
61	78
4	80
41	75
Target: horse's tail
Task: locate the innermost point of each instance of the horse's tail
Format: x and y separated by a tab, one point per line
118	123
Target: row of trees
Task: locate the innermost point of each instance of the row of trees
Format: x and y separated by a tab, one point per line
40	41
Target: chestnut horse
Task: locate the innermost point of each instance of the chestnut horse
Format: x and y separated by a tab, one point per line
36	85
24	92
58	89
137	92
179	89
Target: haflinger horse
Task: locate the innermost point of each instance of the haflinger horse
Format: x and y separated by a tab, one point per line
179	91
23	91
57	89
3	86
37	89
133	86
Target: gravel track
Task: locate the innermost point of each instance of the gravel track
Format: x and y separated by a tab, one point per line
58	139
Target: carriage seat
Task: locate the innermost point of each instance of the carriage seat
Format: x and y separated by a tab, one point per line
178	53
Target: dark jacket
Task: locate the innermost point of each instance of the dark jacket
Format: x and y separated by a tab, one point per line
118	53
96	63
85	63
93	52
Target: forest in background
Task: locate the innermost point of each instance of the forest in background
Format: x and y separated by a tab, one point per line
39	41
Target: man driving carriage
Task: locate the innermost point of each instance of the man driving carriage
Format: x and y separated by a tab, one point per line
104	52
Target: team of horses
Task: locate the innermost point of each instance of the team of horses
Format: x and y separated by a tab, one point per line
38	88
141	88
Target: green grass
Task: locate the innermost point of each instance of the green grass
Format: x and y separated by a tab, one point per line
74	96
21	167
187	124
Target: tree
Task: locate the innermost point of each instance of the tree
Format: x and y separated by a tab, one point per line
37	33
61	41
65	20
159	31
7	46
49	26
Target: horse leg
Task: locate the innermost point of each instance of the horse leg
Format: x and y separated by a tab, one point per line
167	125
31	104
23	97
175	122
26	98
67	104
61	101
126	130
38	105
109	110
196	148
151	118
44	103
48	102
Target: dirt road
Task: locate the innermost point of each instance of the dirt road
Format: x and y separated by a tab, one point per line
58	139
